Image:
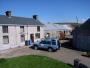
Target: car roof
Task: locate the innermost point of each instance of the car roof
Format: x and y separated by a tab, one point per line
49	39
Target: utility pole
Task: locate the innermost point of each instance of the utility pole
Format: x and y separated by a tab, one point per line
77	19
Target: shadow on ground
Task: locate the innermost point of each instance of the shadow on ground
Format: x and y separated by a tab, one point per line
70	65
69	45
42	49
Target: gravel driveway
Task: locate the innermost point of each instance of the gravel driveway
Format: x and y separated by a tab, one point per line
65	55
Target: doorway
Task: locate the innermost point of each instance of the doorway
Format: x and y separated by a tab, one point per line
32	37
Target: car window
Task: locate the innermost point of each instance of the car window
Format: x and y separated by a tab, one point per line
48	42
53	42
43	42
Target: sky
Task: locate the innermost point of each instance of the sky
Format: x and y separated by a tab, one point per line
48	10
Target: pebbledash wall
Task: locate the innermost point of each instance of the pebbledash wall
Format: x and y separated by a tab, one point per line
14	35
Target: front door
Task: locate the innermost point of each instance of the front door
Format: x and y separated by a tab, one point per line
32	37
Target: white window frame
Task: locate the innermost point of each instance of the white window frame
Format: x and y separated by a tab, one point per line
6	39
37	37
5	29
21	29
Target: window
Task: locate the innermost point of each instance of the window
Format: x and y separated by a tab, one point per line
43	42
38	28
37	35
5	39
53	42
48	42
21	28
5	29
22	38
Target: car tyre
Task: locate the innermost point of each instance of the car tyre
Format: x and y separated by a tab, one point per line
36	47
50	49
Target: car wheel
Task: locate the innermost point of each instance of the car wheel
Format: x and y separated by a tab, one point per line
50	49
35	47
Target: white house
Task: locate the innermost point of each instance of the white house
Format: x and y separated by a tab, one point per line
14	31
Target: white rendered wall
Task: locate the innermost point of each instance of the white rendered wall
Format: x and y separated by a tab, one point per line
33	30
14	36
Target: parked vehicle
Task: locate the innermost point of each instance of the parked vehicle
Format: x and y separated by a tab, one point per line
49	44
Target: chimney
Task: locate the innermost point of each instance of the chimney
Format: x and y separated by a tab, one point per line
35	17
8	13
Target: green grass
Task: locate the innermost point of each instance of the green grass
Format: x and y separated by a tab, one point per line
32	61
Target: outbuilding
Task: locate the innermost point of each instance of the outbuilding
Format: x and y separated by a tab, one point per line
81	36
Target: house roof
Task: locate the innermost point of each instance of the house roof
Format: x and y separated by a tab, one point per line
56	27
73	25
86	25
84	29
18	20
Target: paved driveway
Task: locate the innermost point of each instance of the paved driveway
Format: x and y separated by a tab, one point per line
65	55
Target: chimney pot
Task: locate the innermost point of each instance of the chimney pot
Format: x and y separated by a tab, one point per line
8	13
35	17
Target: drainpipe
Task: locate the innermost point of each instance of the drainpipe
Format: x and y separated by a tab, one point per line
27	31
16	35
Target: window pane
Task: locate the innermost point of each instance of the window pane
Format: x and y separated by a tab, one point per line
53	42
5	29
37	35
5	39
21	28
43	42
48	42
38	28
22	38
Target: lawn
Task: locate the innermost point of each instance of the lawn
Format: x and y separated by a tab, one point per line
32	61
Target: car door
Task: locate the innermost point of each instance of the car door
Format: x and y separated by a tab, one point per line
48	44
54	44
42	44
45	44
